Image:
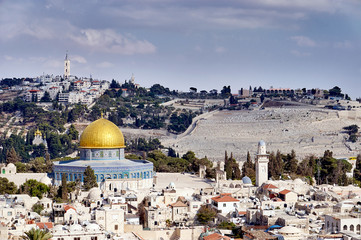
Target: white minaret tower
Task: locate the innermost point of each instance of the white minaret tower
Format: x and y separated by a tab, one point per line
66	67
261	164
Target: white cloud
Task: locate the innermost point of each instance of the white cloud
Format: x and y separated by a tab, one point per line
105	65
300	54
220	50
8	58
109	41
304	41
77	58
53	63
343	44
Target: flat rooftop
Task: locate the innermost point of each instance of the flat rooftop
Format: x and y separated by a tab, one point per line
180	180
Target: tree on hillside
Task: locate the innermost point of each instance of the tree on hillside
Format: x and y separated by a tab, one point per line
34	188
90	179
226	91
46	97
248	168
12	156
205	214
335	92
291	162
232	168
73	133
114	84
7	187
352	131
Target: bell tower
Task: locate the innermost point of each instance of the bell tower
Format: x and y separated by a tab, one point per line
66	66
261	164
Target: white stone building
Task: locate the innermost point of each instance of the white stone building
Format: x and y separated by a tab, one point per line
225	203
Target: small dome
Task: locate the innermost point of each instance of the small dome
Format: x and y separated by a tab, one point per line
75	228
11	165
92	227
94	193
46	180
261	143
298	181
289	230
246	180
101	134
58	228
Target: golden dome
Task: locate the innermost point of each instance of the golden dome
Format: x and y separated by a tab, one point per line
101	134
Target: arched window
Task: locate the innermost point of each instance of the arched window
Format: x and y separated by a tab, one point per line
114	176
358	228
352	228
345	227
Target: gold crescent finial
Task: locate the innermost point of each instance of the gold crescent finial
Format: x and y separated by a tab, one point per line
101	114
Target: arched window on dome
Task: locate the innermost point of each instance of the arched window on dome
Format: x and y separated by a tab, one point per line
114	176
120	176
101	177
96	175
137	174
108	176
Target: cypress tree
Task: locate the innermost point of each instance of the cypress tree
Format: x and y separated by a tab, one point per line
12	156
64	189
90	179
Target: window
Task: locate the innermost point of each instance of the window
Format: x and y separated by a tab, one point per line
77	238
115	227
224	205
234	204
10	213
93	238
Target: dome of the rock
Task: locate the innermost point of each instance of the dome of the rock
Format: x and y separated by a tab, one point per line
101	134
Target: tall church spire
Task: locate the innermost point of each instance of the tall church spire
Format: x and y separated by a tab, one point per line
66	66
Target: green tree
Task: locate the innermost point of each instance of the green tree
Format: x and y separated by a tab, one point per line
12	156
37	234
335	92
37	207
90	179
73	133
205	214
34	188
64	189
7	187
46	97
248	168
291	163
226	225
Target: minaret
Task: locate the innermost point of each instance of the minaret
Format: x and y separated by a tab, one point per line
132	79
66	66
261	164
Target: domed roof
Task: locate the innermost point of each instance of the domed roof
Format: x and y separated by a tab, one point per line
11	165
46	180
246	180
261	143
94	193
75	227
58	228
92	227
102	133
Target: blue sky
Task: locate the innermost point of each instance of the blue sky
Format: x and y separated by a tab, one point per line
204	44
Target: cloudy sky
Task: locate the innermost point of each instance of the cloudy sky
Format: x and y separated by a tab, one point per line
200	43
